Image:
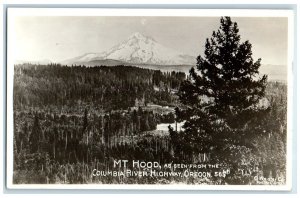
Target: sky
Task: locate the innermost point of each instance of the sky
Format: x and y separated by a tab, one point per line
59	38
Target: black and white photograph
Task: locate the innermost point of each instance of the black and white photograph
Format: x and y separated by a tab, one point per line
136	98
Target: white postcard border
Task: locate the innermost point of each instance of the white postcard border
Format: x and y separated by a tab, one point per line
16	12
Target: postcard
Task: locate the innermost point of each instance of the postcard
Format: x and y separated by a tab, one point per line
149	99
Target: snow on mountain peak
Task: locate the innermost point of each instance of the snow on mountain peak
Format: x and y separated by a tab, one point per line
140	49
141	37
137	35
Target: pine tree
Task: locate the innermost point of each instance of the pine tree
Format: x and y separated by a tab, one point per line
35	136
85	121
221	96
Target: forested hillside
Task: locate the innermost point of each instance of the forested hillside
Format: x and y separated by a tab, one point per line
103	88
70	120
65	115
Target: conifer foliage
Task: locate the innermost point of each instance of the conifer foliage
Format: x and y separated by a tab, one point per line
222	94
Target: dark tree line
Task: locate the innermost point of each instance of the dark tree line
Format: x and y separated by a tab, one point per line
76	115
43	143
68	137
103	87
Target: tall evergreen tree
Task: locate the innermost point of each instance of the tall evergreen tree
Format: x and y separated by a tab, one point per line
222	95
85	120
35	136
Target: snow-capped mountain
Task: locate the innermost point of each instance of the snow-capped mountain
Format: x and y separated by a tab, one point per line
137	49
